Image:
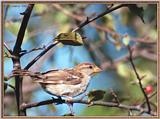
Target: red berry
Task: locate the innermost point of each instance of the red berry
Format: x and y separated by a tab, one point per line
149	89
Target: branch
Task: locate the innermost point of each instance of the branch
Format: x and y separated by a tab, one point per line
41	54
81	18
101	103
10	86
16	61
9	50
32	50
27	13
139	79
8	55
82	25
87	21
99	16
150	96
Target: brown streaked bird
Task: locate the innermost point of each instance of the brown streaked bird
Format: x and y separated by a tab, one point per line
65	82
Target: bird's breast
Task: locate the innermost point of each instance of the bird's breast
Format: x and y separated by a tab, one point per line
66	90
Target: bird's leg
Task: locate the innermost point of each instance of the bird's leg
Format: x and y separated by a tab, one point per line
71	108
70	104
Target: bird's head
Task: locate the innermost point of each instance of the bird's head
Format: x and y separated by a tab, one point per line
88	68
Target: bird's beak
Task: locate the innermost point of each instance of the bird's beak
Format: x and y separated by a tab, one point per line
97	69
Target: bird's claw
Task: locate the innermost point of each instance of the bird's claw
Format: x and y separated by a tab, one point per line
59	100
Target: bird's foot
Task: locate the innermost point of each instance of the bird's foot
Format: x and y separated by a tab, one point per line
69	102
71	108
58	100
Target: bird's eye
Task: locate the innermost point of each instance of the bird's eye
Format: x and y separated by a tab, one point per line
90	67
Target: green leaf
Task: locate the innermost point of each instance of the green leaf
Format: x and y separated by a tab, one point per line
95	95
139	11
71	38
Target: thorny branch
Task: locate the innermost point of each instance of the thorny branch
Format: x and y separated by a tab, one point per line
150	96
139	79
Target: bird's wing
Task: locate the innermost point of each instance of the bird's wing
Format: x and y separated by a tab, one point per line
60	77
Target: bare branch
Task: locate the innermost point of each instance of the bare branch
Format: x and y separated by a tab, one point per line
99	16
139	79
41	54
32	50
150	96
27	13
9	50
16	62
145	39
101	103
10	86
10	55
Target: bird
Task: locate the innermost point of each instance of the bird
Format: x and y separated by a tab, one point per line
63	82
67	83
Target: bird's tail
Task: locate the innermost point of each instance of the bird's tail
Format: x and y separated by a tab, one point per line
23	72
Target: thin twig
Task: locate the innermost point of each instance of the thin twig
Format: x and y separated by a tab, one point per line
139	79
10	86
41	54
150	96
32	50
98	16
9	50
9	55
